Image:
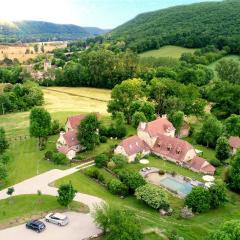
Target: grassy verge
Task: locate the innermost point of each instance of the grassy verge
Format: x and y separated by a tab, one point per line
19	209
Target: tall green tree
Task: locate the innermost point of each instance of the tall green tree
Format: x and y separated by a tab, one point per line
222	148
233	175
232	125
124	94
210	131
229	70
87	131
3	141
40	124
177	119
66	194
117	223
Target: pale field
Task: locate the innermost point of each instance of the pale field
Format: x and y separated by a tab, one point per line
61	102
18	51
167	51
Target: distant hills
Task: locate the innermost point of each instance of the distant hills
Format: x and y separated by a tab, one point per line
31	31
192	26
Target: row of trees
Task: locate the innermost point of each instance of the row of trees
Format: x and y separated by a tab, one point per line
164	95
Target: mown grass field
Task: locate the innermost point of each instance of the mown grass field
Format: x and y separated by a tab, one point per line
19	209
61	102
167	51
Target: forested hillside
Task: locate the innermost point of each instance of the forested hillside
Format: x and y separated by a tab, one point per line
30	31
193	26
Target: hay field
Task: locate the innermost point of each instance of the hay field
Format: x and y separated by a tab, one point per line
167	51
61	102
18	51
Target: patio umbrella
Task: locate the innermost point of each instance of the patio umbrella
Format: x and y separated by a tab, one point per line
208	178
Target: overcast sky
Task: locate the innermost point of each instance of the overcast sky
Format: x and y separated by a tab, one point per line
99	13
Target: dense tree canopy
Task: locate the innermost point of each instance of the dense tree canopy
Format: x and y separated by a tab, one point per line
172	26
124	94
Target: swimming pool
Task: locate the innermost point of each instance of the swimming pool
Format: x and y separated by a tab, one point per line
182	188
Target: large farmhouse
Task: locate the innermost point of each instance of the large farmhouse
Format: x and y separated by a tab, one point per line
158	137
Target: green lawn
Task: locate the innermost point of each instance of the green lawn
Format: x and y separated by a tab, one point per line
167	51
18	209
26	158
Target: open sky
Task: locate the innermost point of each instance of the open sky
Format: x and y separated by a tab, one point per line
99	13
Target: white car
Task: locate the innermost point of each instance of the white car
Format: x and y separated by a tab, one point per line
57	218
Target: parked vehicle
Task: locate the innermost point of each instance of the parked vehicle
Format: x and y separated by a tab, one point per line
36	225
57	218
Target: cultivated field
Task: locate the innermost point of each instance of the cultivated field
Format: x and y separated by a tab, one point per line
18	51
60	102
167	51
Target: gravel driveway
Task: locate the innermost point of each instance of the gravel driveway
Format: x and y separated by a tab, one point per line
80	226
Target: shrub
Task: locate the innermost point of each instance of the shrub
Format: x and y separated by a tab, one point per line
48	155
218	195
103	139
186	213
101	160
133	180
55	127
111	165
222	148
120	160
60	159
198	199
115	186
92	173
173	173
161	172
153	196
215	162
4	158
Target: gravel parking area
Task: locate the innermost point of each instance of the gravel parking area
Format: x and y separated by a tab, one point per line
80	226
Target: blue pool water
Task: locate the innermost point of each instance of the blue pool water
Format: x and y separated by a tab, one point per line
174	184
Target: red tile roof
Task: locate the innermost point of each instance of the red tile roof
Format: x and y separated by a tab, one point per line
158	126
133	145
234	142
75	120
64	149
173	148
71	138
202	165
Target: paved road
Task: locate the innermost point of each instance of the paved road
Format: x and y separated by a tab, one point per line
81	226
42	181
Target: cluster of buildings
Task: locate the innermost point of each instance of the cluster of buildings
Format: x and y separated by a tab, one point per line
158	138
